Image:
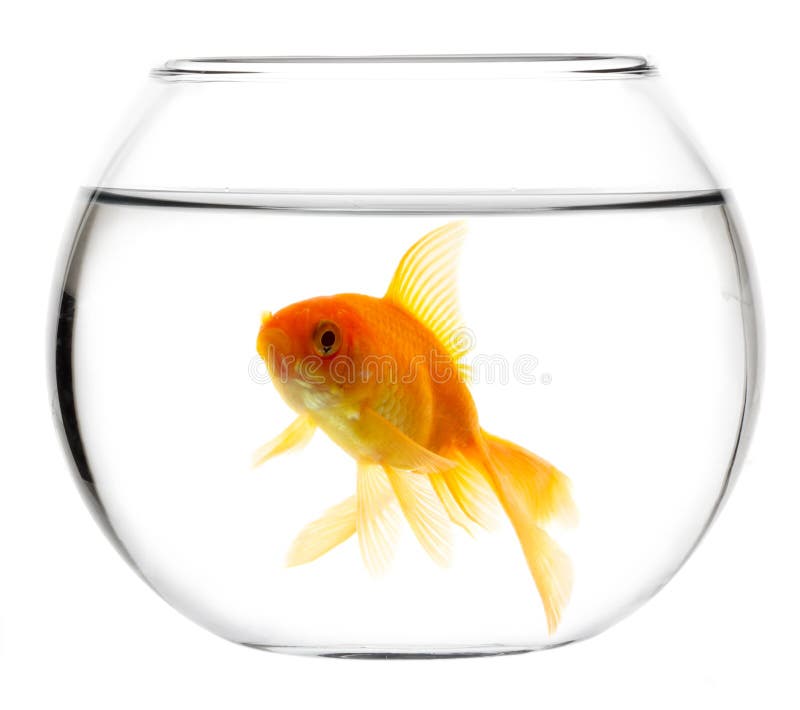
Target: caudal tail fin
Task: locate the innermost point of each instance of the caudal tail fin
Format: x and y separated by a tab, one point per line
533	493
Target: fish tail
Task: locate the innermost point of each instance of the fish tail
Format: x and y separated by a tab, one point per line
532	493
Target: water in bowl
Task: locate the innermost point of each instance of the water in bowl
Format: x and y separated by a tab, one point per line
608	337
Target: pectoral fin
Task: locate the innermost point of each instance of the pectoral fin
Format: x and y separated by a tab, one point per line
393	448
295	436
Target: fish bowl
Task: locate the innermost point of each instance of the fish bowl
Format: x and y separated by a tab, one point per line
405	356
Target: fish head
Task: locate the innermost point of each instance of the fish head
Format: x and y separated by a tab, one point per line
309	349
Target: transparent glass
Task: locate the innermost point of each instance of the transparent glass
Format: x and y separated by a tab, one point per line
607	318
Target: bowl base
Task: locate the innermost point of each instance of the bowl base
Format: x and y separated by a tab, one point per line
395	652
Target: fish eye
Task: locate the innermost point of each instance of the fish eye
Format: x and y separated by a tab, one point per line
327	338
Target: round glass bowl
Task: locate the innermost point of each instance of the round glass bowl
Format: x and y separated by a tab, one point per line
527	245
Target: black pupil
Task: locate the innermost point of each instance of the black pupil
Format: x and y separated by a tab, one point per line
327	339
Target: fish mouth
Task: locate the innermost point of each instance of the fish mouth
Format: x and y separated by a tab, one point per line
272	343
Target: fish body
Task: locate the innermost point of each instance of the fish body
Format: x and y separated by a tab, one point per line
388	362
384	379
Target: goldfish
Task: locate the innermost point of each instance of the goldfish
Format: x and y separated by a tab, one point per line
386	380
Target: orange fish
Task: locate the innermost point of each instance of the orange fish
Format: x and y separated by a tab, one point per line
384	378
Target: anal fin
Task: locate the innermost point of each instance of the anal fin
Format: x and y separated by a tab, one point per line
473	493
454	510
424	512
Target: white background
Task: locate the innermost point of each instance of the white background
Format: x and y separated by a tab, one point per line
77	628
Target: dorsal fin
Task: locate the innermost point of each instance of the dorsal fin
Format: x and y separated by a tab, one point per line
425	286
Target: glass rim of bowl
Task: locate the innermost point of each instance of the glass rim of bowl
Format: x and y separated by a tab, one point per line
236	68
